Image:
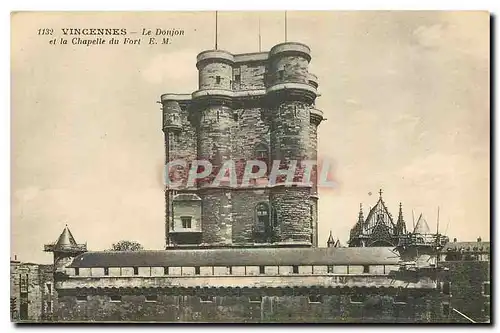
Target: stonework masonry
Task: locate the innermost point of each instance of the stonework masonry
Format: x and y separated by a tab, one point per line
32	291
256	106
251	254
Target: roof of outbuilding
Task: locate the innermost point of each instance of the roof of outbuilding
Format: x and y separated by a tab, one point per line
239	257
467	246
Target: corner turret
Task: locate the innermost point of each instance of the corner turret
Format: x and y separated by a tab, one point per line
65	249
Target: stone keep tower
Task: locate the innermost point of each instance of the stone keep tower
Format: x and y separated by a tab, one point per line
215	123
290	97
253	106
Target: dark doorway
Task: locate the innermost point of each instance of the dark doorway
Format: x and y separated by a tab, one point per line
23	310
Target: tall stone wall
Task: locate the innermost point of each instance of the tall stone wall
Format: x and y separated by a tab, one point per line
251	305
467	287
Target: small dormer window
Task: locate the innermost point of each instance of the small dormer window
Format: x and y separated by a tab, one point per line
217	79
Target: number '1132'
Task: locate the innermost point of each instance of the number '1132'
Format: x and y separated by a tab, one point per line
45	31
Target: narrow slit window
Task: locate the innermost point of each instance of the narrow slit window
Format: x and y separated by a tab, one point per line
315	299
106	271
358	298
262	269
197	270
115	298
255	299
281	74
486	289
446	287
295	269
136	270
400	299
446	309
217	79
151	298
206	299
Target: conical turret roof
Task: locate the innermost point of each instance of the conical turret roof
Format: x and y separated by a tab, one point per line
66	239
65	243
422	227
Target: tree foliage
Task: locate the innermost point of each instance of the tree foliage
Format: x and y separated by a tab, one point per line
126	245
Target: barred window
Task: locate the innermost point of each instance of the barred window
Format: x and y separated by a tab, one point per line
186	222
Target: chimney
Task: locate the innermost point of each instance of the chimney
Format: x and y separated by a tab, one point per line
15	257
454	240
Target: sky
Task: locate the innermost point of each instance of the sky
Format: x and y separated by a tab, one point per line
405	94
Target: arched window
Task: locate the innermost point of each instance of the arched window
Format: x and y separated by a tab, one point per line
262	211
264	221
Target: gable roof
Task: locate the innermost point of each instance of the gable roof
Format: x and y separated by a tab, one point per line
239	257
380	206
